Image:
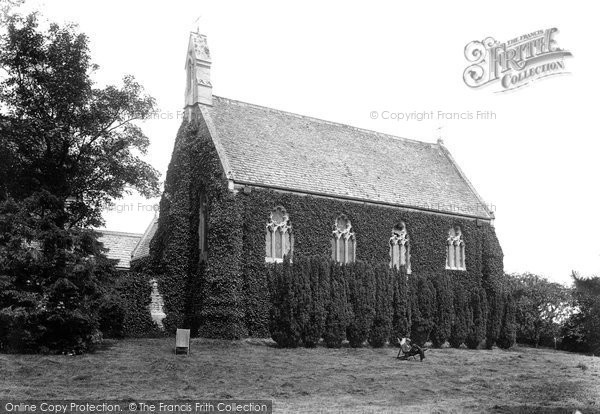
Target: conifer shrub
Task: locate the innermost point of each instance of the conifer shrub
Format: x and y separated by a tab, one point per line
302	291
361	295
284	328
477	329
337	309
400	306
496	303
507	336
423	303
314	290
462	316
444	313
313	299
382	322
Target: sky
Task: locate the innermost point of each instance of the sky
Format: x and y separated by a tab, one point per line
535	160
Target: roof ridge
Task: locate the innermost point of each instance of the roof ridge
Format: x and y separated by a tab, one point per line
325	121
118	233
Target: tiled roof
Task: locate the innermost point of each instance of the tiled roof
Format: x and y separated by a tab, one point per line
142	249
120	246
283	150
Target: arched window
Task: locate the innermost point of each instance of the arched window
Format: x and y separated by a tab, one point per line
279	238
400	247
203	228
455	250
343	241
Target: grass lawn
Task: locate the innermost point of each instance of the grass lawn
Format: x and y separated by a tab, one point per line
314	380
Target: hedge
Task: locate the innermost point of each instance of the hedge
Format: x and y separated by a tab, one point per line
313	298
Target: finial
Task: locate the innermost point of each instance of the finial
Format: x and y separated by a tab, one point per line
196	24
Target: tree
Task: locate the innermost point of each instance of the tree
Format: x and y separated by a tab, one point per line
540	308
6	6
582	329
67	148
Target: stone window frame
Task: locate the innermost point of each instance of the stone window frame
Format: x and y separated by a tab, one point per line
343	241
455	250
400	247
278	230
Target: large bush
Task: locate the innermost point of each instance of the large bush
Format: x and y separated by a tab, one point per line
49	290
582	329
540	308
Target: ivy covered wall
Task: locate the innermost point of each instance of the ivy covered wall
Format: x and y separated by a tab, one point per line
312	221
204	296
227	296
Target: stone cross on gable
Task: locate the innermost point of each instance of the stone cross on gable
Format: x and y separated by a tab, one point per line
196	24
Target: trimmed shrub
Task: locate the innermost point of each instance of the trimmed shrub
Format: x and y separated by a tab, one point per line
400	306
285	330
423	309
361	294
507	336
312	301
462	316
382	322
496	312
477	330
337	308
444	310
315	298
